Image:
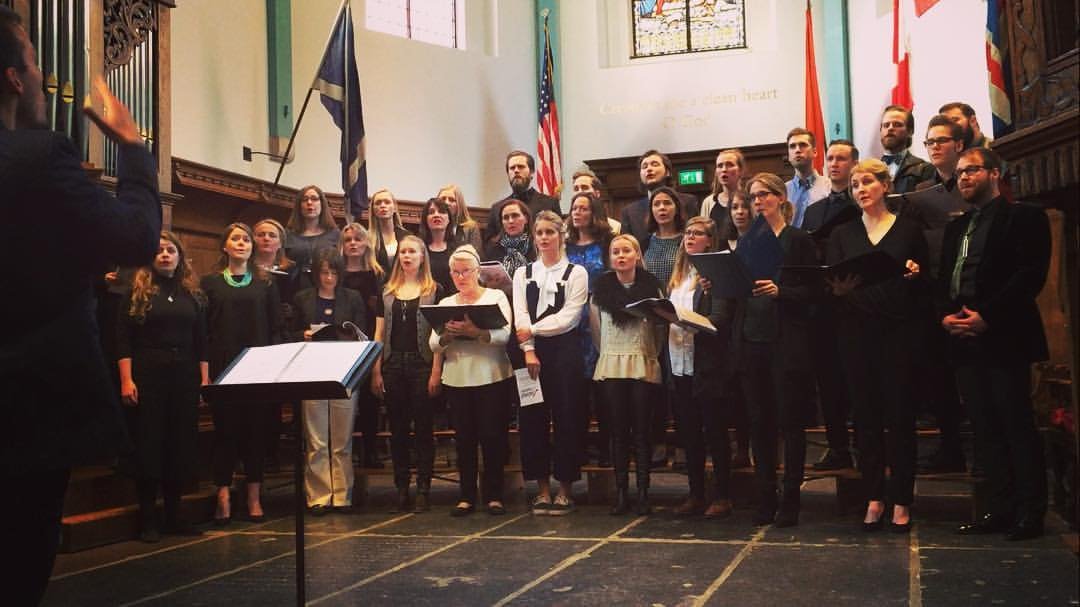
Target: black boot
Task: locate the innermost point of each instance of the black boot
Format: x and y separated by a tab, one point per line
622	502
766	508
789	509
642	507
422	490
402	504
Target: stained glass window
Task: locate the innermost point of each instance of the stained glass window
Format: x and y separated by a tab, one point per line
669	27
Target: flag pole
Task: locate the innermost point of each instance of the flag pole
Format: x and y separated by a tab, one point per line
345	48
307	99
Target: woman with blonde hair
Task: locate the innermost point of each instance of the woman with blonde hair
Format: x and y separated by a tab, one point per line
243	310
364	275
162	360
464	227
549	295
477	375
408	371
698	369
385	227
727	186
878	338
311	229
771	345
628	364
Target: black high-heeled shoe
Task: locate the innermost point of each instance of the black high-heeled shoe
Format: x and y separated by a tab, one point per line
877	525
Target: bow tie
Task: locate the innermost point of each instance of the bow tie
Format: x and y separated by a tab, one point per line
891	158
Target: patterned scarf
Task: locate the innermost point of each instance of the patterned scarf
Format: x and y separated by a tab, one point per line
516	250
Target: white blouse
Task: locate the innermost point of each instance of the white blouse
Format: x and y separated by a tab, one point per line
680	340
548	279
471	362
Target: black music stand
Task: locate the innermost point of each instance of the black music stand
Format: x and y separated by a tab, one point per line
296	371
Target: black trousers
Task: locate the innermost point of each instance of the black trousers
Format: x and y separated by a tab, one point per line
701	428
631	418
1007	442
30	516
561	364
829	375
367	420
239	430
480	415
775	400
877	361
405	377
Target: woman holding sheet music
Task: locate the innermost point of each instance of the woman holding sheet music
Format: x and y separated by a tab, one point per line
408	372
698	370
242	310
477	375
549	295
877	340
628	363
311	228
772	353
364	275
328	424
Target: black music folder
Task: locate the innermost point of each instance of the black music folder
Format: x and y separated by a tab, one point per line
728	273
484	316
295	371
663	311
760	250
871	268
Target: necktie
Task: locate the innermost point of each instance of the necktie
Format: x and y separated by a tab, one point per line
890	158
961	256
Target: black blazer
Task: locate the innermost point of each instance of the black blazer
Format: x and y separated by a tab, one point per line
792	348
912	171
712	362
1010	276
348	306
380	248
59	404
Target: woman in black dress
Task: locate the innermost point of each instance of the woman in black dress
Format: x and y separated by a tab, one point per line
877	341
243	310
436	232
364	275
161	356
311	229
385	227
772	353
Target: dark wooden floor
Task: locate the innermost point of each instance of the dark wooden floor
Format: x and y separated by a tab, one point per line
586	558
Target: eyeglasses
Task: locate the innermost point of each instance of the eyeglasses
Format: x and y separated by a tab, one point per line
937	141
696	233
971	169
760	195
311	197
462	273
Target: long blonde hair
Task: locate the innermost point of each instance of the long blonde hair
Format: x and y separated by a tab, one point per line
373	227
397	275
682	266
368	260
143	288
462	218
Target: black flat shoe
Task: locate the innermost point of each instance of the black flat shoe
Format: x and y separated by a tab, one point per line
460	510
987	523
223	521
496	509
877	525
1025	529
318	510
257	518
899	528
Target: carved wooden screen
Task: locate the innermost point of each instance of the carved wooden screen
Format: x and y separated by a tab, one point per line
131	66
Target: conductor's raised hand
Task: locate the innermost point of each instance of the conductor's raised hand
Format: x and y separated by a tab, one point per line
109	114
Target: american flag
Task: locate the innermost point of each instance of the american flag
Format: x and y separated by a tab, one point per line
549	171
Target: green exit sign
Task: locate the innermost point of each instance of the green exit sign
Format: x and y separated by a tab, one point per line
692	177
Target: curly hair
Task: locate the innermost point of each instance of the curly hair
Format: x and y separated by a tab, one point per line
143	288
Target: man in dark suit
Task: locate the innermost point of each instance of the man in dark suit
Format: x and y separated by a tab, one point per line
655	171
821	217
520	167
906	169
60	230
994	263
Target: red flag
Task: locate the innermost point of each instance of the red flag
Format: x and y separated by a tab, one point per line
921	6
549	169
901	93
814	121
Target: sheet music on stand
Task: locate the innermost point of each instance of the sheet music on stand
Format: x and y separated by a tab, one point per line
295	371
